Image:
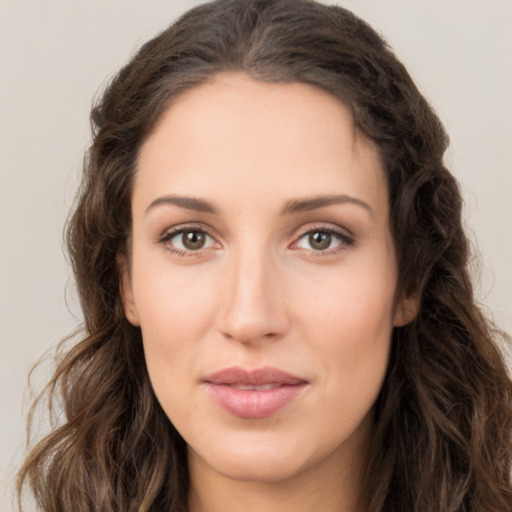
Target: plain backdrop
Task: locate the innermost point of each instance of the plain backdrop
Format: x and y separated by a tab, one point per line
56	54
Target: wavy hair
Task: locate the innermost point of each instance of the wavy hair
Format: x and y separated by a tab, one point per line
443	419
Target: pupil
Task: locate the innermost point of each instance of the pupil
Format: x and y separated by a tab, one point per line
193	240
320	240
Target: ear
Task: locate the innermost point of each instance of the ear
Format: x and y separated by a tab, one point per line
406	310
126	292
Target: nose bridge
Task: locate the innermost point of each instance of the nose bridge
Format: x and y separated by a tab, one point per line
253	308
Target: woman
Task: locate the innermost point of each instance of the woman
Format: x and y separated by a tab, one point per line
273	273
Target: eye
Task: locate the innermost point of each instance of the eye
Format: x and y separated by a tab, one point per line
187	240
323	240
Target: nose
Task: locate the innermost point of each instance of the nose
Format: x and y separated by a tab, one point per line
253	302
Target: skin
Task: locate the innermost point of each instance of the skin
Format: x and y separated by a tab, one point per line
260	292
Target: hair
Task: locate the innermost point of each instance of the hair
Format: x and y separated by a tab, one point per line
443	419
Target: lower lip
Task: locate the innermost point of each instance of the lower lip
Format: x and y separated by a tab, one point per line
254	404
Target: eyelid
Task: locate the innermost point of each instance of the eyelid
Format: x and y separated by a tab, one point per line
173	231
345	236
324	226
180	228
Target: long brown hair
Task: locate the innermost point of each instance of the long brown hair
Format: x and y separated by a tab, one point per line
443	420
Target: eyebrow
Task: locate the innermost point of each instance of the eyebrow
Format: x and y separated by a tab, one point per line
314	203
189	203
291	207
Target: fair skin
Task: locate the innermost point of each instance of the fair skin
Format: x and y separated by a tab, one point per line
260	239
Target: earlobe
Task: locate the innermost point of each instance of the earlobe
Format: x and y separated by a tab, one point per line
126	291
406	311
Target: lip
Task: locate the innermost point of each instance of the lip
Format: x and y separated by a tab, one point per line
254	394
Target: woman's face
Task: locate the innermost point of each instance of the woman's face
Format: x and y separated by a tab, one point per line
263	275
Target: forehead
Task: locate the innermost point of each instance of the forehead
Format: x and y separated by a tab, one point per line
250	136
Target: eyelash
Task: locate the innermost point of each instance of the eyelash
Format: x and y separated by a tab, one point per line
344	239
169	235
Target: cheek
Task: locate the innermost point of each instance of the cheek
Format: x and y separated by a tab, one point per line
355	342
350	324
176	309
170	300
354	304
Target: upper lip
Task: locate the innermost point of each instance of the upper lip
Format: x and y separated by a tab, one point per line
258	377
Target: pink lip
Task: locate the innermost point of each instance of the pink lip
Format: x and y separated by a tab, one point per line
227	390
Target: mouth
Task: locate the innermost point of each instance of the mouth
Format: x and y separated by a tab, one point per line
254	394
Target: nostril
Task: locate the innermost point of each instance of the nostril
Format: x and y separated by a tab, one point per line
253	329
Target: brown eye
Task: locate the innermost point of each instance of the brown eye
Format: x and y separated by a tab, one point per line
324	241
193	240
319	240
187	240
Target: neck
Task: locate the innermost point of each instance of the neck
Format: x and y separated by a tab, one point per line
273	497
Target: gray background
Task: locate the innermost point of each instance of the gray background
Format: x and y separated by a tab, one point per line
55	55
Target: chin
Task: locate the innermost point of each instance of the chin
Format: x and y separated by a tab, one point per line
259	467
258	458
